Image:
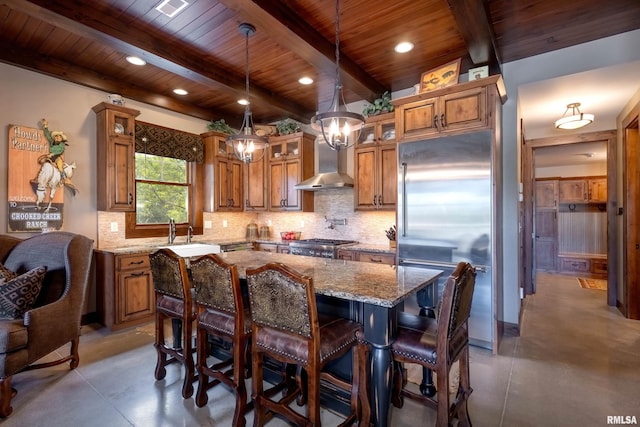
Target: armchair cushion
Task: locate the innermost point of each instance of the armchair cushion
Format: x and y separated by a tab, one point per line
17	295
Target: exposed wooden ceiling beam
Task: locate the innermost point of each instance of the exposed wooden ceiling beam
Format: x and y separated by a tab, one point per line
284	24
116	34
473	24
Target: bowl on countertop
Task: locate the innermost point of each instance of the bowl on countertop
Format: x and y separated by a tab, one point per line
290	235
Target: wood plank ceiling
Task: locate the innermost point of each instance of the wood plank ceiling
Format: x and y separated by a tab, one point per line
202	51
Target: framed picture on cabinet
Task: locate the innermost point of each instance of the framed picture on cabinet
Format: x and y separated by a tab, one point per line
443	76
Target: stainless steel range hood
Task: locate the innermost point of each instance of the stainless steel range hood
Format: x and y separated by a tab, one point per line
332	170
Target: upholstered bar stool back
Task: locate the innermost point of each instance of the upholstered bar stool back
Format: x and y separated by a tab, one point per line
221	313
439	349
286	328
173	301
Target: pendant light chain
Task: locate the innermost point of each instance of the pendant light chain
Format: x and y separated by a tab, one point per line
337	29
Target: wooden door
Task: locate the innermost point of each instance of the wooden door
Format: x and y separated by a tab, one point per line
276	182
631	232
223	179
365	171
573	190
463	110
598	190
292	176
255	181
546	225
387	177
235	185
121	174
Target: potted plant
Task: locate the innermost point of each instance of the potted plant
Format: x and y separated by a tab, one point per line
287	126
380	105
220	126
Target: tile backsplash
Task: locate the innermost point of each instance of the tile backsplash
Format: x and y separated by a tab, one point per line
365	227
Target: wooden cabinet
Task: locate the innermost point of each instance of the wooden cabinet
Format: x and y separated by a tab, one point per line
291	160
453	109
546	196
375	167
586	265
223	182
115	157
375	257
125	294
583	190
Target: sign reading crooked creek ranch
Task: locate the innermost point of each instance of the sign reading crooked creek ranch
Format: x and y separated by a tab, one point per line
25	213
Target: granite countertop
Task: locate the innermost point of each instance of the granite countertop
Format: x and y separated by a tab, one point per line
382	285
371	248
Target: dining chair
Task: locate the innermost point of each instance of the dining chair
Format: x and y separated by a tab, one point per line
437	347
286	327
173	301
221	313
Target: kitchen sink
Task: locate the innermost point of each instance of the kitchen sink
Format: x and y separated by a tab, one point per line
188	250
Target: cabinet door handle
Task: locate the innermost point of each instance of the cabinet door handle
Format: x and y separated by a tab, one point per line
246	203
372	259
130	198
443	123
136	262
379	199
435	121
138	274
374	199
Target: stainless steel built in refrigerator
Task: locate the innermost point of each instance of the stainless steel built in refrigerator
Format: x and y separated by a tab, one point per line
446	191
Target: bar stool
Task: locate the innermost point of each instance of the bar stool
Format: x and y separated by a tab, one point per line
173	301
438	350
286	328
221	313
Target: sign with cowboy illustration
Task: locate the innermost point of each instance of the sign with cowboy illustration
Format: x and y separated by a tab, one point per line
38	174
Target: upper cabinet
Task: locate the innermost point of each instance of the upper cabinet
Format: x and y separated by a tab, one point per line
375	183
291	160
223	181
115	157
583	190
453	109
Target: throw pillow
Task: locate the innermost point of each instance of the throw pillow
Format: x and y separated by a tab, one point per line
6	274
18	294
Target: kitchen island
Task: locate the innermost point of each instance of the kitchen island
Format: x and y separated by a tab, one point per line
372	295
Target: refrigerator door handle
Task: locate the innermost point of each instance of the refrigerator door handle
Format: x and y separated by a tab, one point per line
404	199
439	264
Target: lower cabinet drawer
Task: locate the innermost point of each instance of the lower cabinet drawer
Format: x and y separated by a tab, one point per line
599	266
376	257
575	264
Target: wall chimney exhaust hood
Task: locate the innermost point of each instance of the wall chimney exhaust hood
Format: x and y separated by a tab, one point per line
332	170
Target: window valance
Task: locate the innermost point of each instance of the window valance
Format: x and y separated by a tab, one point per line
162	141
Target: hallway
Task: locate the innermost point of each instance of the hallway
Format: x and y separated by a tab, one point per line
576	362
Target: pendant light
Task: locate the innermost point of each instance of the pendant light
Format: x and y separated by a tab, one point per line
245	143
337	124
575	120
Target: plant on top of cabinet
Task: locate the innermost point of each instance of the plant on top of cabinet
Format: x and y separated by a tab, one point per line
287	126
220	126
380	106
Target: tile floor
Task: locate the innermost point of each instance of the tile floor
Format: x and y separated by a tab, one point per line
576	362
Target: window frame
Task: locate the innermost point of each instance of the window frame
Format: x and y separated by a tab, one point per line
195	180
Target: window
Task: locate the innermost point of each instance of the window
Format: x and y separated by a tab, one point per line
162	189
169	178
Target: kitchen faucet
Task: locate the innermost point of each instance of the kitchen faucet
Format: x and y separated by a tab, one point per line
172	230
189	233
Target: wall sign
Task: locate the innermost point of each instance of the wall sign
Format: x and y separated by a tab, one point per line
36	179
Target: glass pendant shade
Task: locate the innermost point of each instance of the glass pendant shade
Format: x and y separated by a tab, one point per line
338	127
247	145
575	120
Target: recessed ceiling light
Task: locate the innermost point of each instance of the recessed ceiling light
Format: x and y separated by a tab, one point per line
135	60
305	80
243	101
171	7
404	47
180	92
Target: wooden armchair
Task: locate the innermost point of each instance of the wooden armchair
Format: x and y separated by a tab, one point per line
55	317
